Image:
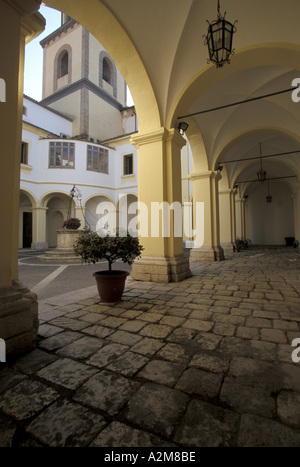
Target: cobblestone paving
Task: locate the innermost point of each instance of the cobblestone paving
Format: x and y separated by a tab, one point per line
204	362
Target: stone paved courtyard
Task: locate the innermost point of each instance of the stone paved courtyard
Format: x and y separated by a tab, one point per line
203	362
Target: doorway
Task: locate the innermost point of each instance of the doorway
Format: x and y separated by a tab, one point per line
27	229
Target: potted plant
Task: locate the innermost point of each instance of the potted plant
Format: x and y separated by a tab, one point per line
72	223
94	246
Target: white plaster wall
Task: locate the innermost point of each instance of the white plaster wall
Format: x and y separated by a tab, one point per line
44	118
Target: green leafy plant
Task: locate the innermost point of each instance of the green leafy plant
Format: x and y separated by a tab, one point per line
93	247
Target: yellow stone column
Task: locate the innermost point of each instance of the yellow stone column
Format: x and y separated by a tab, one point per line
233	193
160	207
243	219
205	190
39	228
225	221
19	21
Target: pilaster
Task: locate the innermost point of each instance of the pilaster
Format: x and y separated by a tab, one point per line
19	22
205	190
159	175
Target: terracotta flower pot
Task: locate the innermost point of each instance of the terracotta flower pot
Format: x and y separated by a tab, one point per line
111	284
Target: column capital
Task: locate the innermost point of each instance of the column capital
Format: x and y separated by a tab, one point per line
159	135
203	175
24	7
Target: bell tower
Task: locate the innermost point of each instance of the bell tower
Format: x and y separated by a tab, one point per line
81	80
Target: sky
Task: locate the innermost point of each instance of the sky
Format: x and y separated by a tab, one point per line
33	74
34	55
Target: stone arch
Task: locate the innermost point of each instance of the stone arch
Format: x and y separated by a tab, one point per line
97	208
279	54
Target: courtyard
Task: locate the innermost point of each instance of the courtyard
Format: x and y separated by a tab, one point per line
205	362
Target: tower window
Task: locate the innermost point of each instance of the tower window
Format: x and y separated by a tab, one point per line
63	64
107	75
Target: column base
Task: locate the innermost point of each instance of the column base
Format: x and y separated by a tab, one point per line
161	269
229	247
207	253
39	246
18	318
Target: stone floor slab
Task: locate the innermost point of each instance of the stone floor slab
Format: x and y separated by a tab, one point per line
66	424
106	391
67	373
119	435
26	399
157	408
206	425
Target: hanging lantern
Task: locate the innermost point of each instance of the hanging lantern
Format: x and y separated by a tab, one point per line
219	40
262	174
269	197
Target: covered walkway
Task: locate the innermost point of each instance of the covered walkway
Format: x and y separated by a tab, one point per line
204	362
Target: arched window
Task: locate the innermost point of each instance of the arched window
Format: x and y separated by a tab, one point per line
106	71
63	64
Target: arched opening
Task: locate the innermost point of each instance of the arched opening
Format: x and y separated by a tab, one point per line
98	210
106	71
269	223
57	212
25	221
63	64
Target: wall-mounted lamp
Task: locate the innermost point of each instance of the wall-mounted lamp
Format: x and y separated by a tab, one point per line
220	168
182	127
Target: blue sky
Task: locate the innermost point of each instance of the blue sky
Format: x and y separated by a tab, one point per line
34	56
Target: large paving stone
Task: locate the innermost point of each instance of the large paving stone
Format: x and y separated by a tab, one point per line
206	425
203	383
82	348
262	432
247	399
119	435
162	372
106	391
35	361
66	424
255	373
288	408
26	399
157	408
67	373
7	430
107	354
128	364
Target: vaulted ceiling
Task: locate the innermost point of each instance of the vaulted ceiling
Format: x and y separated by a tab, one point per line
159	48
